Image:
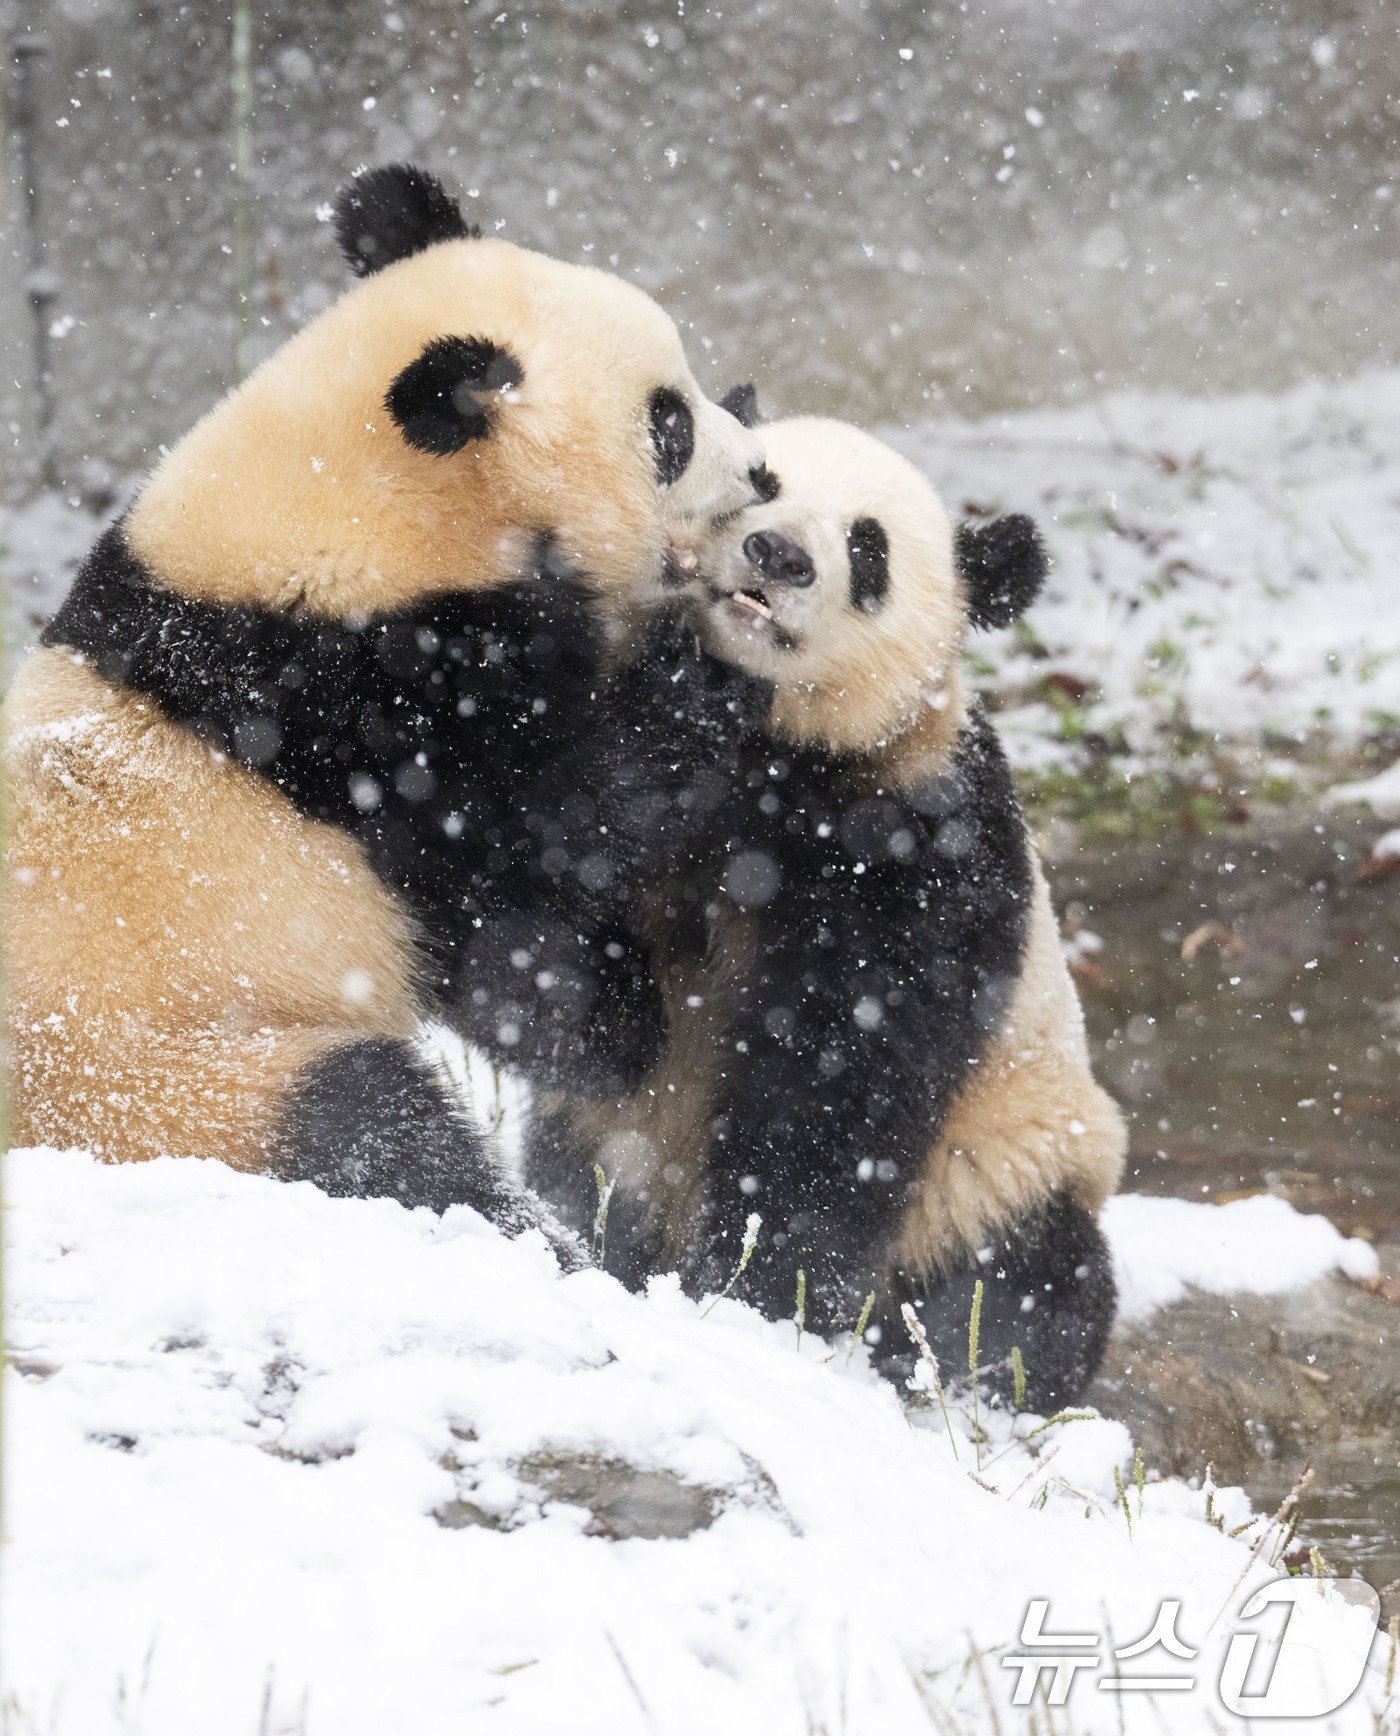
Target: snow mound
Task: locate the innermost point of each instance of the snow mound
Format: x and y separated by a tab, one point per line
1260	1244
283	1463
1380	793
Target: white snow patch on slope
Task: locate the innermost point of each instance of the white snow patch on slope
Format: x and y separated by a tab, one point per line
236	1405
1380	793
1162	1246
1227	563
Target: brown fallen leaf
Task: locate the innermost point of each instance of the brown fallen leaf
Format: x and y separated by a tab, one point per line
1388	1289
1224	938
1084	970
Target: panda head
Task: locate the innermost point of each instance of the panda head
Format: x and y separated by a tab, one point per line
848	589
466	411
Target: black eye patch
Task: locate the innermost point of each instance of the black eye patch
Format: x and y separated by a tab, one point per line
672	428
868	549
441	401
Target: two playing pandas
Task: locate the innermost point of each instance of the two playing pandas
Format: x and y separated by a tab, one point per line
467	664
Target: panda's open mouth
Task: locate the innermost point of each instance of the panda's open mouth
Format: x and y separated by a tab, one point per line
741	627
747	609
751	603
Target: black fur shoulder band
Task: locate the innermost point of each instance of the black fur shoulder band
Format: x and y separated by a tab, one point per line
415	731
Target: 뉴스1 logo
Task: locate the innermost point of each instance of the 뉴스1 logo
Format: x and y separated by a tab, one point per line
1313	1662
1298	1650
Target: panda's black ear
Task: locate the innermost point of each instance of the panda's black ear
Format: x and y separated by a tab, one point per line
742	404
443	400
387	214
1003	564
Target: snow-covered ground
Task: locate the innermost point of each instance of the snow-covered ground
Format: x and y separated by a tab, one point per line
235	1408
1226	565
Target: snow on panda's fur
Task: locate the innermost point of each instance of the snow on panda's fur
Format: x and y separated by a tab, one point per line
874	1040
305	753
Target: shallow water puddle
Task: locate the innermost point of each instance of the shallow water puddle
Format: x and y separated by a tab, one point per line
1244	1007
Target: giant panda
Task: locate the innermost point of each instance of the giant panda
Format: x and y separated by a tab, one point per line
305	756
874	1040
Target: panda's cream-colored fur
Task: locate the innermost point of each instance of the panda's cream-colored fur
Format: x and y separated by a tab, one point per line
299	491
159	999
1031	1118
180	943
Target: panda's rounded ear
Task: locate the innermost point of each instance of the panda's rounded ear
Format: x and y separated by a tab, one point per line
389	213
1003	564
742	404
443	400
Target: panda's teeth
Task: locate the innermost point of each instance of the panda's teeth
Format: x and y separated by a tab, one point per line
750	601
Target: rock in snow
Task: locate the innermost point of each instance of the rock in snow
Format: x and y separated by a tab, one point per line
284	1463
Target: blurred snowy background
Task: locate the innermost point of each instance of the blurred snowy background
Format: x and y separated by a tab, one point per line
886	209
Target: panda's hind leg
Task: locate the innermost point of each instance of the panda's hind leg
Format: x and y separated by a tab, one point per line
1047	1290
369	1119
559	1166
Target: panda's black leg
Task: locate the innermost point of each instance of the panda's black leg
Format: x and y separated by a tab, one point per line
369	1120
1047	1288
559	1167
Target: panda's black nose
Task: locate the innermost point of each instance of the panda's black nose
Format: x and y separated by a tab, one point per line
779	557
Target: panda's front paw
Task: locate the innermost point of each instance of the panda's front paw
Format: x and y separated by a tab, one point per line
574	1005
689	695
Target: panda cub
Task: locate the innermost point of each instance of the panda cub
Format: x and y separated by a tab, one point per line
874	1042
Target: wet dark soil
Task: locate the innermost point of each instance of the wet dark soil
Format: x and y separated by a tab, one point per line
1244	1008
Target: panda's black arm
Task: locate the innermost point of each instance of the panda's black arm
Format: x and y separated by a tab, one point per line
411	730
872	995
469	745
830	1098
550	975
575	1006
654	763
